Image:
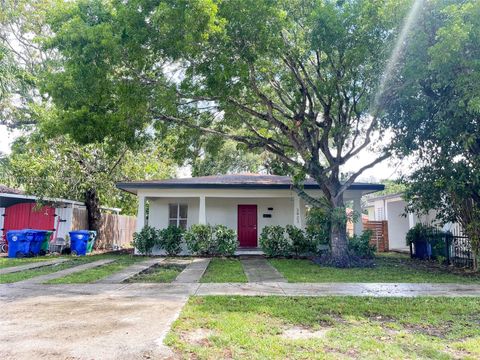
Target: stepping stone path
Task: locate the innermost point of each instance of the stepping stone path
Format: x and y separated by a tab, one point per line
44	278
130	271
34	265
193	272
258	270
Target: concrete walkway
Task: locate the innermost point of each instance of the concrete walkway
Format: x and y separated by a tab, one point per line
193	272
11	292
130	271
30	266
258	270
340	289
44	278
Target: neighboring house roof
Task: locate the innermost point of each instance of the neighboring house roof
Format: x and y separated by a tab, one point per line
372	199
10	196
8	190
235	181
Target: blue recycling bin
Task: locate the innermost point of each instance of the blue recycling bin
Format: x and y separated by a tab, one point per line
421	250
79	241
38	237
18	244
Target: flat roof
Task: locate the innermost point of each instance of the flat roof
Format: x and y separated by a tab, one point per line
235	181
385	197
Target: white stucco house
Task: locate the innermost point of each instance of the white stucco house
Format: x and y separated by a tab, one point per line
245	202
392	208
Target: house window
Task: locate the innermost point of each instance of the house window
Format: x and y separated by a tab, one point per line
178	215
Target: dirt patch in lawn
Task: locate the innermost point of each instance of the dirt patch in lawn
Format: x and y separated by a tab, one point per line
158	273
300	333
440	331
197	336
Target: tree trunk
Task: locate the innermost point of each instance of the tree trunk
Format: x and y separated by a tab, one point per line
338	233
340	256
94	216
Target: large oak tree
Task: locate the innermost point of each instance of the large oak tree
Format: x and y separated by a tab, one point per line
296	78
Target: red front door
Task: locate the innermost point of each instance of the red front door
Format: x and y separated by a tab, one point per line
247	225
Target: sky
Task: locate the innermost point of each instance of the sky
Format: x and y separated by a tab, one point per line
6	139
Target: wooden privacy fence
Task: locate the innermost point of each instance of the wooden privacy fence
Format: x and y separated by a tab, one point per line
115	230
380	234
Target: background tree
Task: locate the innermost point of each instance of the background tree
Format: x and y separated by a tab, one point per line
61	168
294	78
22	27
436	97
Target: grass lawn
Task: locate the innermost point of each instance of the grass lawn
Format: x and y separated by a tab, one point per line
327	328
158	274
92	275
223	271
8	262
390	268
27	274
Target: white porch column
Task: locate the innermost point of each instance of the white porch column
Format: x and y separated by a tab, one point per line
202	217
357	208
297	217
140	213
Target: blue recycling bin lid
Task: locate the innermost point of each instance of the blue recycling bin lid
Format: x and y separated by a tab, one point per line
80	234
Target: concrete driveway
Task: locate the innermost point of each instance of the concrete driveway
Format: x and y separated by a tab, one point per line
90	326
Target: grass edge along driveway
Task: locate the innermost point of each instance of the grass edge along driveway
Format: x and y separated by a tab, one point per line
327	328
94	274
44	270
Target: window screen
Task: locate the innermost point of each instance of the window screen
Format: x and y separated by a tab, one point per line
177	215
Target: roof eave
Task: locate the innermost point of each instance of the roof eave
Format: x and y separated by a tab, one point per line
133	187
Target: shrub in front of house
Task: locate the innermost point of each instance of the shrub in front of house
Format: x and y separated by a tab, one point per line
145	240
225	240
299	242
211	240
274	242
318	226
199	239
360	245
170	239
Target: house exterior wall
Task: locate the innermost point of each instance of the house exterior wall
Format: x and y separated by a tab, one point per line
391	209
158	210
221	206
224	211
398	225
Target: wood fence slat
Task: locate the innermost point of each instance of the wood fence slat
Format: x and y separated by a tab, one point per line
115	230
380	234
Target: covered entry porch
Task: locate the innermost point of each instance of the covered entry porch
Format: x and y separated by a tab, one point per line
245	203
247	214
